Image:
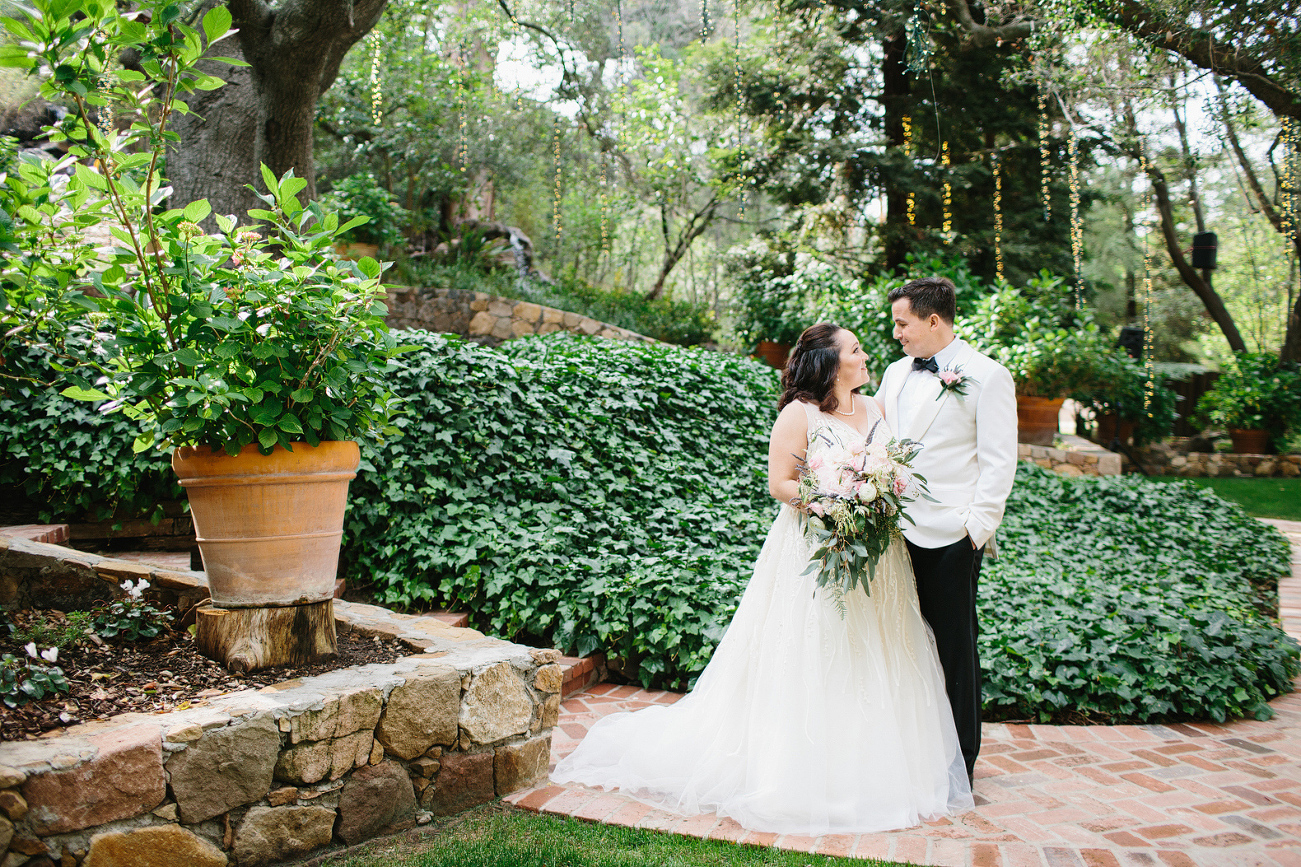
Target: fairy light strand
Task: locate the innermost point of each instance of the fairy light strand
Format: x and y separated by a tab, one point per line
1077	230
947	161
1290	182
998	215
1045	159
605	206
376	104
908	149
555	200
462	111
1149	382
740	106
704	20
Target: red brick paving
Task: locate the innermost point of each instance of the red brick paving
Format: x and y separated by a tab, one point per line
1180	795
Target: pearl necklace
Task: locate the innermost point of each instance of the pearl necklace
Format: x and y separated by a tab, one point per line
852	403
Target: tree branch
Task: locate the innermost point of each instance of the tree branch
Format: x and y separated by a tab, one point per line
1205	51
982	35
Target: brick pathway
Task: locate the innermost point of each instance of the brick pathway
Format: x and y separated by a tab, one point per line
1048	796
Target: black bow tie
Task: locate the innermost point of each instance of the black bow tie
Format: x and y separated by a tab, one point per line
926	364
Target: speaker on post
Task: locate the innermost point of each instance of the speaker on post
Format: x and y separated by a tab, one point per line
1204	244
1131	340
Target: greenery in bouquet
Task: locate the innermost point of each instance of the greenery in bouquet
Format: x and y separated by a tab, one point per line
853	499
254	334
1259	391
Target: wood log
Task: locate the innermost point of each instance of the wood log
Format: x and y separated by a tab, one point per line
248	639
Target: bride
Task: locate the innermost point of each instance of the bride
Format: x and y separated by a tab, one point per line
805	721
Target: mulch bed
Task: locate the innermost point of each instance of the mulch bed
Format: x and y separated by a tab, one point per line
107	678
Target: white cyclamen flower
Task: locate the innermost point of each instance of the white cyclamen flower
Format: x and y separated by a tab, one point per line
30	647
51	655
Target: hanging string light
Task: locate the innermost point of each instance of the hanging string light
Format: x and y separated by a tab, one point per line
740	107
998	215
1045	169
376	112
605	206
555	199
704	20
1077	230
948	192
908	150
1290	181
462	111
1149	383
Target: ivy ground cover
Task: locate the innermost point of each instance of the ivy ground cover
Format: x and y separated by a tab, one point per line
605	495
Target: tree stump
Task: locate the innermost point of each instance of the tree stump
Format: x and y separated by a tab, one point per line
248	639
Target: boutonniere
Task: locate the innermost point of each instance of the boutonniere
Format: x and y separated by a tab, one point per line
954	380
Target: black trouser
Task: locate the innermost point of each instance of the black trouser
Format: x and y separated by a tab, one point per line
946	589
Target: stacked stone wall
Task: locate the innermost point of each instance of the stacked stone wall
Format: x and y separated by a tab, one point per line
489	319
257	777
1076	457
1164	461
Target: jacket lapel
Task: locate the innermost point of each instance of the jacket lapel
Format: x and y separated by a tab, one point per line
894	381
934	396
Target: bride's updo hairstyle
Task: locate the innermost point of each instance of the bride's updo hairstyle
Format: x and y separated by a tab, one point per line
810	374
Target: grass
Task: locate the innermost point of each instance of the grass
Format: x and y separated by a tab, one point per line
498	835
1262	498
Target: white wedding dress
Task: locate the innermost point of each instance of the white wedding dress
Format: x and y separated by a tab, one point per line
804	721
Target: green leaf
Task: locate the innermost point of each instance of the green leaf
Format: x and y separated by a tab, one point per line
216	23
77	393
198	210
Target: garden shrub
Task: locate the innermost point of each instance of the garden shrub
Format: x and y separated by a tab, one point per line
68	460
592	493
1120	599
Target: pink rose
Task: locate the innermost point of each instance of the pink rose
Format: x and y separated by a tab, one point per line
948	377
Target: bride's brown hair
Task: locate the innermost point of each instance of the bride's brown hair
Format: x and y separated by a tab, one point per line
810	373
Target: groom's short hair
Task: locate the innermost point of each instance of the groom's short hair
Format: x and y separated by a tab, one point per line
928	295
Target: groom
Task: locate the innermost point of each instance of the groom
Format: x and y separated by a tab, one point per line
961	406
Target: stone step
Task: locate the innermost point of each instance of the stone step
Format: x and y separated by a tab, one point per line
50	534
451	618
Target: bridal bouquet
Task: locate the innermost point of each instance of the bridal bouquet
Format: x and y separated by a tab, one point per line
854	497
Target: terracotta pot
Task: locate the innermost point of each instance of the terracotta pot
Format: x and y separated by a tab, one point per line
356	250
1036	419
773	353
269	526
1250	442
1111	427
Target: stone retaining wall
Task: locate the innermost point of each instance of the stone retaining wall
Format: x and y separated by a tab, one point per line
1076	457
1164	461
256	777
488	319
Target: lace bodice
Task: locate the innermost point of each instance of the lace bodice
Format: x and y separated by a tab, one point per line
838	429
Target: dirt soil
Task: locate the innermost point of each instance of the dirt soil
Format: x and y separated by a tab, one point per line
108	677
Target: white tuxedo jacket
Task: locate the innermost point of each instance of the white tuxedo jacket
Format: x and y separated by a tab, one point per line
968	454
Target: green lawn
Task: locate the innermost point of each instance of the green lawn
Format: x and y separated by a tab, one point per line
497	835
1262	498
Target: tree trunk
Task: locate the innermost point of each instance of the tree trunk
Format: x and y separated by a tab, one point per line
673	254
267	110
249	639
895	90
1209	297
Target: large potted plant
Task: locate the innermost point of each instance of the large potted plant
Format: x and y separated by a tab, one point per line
1050	348
1257	399
1127	403
377	221
252	351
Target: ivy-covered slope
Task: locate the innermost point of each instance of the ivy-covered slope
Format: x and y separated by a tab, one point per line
590	493
597	494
